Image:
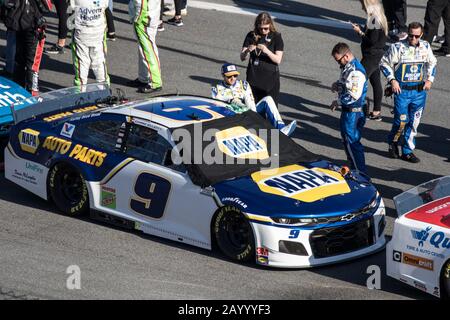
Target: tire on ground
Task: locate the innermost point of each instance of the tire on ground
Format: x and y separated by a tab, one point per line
446	281
68	190
233	234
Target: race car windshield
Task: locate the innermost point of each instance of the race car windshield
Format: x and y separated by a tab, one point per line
422	194
235	146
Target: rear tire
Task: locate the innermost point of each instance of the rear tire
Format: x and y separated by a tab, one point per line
233	234
68	189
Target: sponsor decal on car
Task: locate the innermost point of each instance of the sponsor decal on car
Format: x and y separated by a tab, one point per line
437	239
238	142
78	152
68	113
67	130
235	200
262	255
425	251
24	176
439	208
412	260
420	286
29	140
108	197
34	167
301	183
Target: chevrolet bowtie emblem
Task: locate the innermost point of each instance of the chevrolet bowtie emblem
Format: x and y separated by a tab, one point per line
348	217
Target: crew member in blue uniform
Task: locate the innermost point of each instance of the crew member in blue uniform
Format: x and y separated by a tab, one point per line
409	67
351	88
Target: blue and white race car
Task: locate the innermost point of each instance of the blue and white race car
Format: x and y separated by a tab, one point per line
127	165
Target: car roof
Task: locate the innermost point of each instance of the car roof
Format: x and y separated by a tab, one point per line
174	111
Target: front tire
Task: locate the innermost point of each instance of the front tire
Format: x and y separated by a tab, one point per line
68	189
233	234
446	281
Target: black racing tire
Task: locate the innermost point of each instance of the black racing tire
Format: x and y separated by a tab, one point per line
233	234
445	281
68	190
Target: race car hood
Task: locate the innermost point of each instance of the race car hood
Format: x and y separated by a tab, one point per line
12	94
297	191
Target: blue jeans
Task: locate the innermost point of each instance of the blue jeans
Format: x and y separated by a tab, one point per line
351	126
408	109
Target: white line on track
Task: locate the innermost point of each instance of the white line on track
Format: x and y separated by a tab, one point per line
277	15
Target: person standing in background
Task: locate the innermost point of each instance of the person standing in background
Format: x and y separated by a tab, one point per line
351	88
110	28
88	40
437	9
409	67
373	40
145	18
61	10
177	20
265	47
396	15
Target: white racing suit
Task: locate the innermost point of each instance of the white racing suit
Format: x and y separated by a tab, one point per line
411	67
88	40
240	99
144	15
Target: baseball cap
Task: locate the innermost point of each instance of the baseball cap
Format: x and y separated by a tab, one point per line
229	69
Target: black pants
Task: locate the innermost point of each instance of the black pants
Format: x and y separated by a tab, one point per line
29	47
396	14
437	9
61	10
259	94
371	64
110	21
178	6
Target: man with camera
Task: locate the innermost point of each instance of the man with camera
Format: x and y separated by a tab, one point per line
25	17
409	67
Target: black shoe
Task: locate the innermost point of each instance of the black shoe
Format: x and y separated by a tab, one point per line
148	89
135	83
410	157
55	49
442	52
176	22
393	150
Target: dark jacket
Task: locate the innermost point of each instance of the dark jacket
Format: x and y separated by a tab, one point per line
21	15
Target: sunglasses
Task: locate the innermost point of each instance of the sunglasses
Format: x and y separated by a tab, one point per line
232	76
414	36
339	60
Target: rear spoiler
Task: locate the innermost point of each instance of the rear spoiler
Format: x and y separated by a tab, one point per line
58	100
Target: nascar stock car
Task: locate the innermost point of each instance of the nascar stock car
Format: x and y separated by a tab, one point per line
419	252
124	164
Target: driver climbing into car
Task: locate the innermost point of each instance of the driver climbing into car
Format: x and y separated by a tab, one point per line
239	96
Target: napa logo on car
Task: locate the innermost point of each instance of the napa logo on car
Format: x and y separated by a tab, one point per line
300	183
29	140
238	142
67	130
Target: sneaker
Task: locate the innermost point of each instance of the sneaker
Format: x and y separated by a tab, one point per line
161	26
176	22
147	88
393	150
136	83
289	129
55	49
441	52
439	39
410	157
375	117
111	36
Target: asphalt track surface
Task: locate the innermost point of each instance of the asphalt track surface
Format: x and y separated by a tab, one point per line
37	244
